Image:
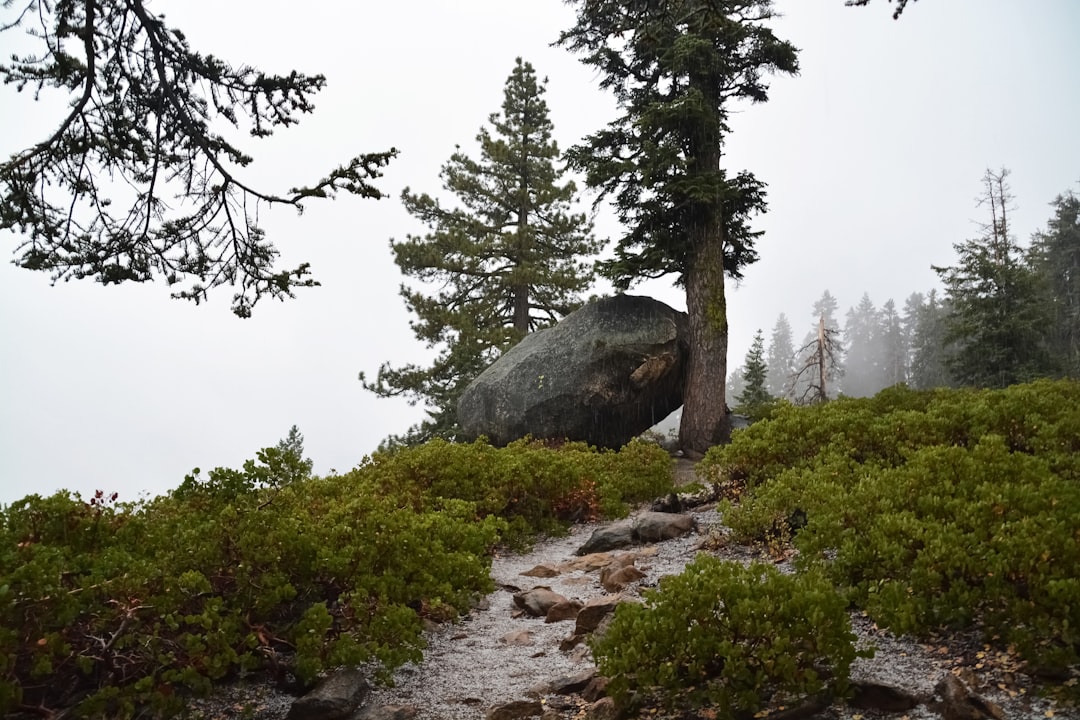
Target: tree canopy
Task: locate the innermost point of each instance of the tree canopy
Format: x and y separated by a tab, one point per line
900	5
136	182
510	258
997	319
676	68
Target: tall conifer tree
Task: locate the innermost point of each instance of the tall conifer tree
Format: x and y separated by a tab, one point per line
755	394
509	258
676	68
1056	258
781	359
862	375
997	319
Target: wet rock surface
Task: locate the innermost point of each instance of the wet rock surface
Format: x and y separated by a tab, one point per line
603	375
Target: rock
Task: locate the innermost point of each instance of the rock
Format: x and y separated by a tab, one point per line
542	571
388	712
570	684
603	375
518	638
958	702
602	709
569	643
563	611
538	601
594	611
337	696
610	537
650	527
596	689
514	710
884	698
647	527
614	579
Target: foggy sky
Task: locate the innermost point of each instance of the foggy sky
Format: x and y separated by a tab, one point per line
873	157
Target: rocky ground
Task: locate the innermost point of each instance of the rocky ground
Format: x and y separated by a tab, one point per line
502	663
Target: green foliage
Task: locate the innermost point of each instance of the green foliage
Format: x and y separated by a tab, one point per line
118	610
942	509
755	400
510	259
676	71
729	636
997	319
1055	255
542	486
133	126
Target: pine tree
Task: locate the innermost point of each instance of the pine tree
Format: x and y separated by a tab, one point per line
900	6
136	183
1056	258
755	394
510	258
930	347
862	373
997	320
675	69
781	359
892	348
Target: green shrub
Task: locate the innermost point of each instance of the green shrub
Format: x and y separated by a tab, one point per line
950	509
118	610
730	636
544	486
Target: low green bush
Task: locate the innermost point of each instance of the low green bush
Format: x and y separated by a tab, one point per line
731	637
117	610
948	509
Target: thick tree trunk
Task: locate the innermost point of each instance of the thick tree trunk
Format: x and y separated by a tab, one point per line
705	419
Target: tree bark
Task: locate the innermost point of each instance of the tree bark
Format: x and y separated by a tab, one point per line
705	419
705	416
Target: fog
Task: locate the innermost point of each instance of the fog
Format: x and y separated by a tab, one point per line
873	157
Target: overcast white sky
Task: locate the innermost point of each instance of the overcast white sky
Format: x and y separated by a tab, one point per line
873	157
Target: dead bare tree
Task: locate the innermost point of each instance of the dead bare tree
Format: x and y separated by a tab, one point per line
821	365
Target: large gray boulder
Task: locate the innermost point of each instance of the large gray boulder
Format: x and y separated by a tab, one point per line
606	373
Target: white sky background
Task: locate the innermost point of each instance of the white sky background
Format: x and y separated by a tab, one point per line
873	157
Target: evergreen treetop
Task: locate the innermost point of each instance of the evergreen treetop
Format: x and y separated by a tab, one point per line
507	257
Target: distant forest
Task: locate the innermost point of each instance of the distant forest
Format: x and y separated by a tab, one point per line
1008	313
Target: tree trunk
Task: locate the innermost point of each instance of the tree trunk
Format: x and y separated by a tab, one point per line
705	415
705	419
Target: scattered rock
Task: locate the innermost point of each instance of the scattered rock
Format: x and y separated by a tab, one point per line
336	697
610	537
563	611
596	689
516	709
650	527
542	571
958	702
387	712
885	698
518	638
602	709
615	578
594	611
647	527
570	684
538	601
